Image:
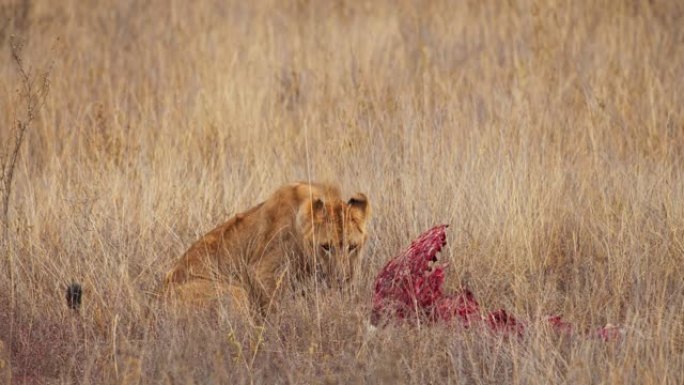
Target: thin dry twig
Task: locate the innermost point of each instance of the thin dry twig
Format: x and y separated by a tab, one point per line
33	93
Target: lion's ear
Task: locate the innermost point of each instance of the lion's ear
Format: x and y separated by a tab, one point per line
359	206
311	210
318	208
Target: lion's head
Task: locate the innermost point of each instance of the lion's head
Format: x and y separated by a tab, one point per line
333	233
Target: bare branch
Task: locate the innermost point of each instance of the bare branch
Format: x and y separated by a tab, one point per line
33	99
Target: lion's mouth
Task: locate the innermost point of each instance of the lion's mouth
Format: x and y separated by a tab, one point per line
326	281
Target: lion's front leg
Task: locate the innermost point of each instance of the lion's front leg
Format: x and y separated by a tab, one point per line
267	281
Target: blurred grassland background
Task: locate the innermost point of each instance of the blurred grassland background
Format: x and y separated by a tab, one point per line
548	134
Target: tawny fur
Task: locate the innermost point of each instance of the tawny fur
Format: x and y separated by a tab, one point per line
302	231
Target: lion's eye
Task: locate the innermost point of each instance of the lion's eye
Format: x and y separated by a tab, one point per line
352	247
325	246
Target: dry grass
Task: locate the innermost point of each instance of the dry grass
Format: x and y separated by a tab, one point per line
548	134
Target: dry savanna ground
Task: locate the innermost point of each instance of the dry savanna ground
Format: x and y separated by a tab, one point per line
548	134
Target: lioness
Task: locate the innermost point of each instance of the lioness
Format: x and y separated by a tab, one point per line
302	231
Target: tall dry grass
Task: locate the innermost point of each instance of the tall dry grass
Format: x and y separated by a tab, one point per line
548	134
